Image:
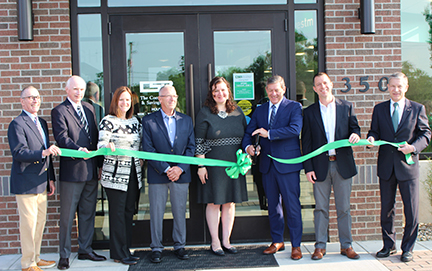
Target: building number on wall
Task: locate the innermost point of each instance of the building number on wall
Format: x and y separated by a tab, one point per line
382	84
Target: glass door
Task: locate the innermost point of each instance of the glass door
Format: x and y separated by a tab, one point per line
187	51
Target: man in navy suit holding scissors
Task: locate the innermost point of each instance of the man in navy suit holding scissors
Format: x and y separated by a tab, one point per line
279	123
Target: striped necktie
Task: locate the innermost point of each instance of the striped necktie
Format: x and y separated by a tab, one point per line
39	127
83	120
272	115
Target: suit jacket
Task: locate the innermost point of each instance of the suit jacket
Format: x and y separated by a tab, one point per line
70	134
413	128
314	136
156	139
30	172
284	141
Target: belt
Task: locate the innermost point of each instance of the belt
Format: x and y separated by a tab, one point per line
332	158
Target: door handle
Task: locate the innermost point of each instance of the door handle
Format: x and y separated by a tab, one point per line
209	72
191	93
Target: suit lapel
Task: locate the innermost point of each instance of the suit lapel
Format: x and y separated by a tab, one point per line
318	118
266	115
387	116
407	110
160	121
73	113
33	127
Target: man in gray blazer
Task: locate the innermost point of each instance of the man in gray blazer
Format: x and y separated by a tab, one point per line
399	120
324	122
32	176
170	132
74	127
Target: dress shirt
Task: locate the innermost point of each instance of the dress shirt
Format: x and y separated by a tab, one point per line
171	125
328	115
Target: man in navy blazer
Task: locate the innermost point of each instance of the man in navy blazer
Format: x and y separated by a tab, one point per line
324	122
399	120
170	132
32	176
74	127
279	123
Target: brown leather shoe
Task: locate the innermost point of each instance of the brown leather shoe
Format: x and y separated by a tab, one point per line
350	253
318	253
46	264
296	253
32	268
274	247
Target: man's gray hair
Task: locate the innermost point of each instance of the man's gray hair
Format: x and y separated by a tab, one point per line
276	79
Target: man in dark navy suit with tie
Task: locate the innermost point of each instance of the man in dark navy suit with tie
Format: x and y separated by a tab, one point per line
399	120
32	176
279	123
74	127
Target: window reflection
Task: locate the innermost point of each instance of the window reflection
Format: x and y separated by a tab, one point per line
88	3
90	51
306	55
153	60
416	24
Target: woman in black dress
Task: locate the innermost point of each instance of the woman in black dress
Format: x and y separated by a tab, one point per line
219	130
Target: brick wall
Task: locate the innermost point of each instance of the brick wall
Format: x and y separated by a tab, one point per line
44	63
352	55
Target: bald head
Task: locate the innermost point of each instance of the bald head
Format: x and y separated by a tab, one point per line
75	88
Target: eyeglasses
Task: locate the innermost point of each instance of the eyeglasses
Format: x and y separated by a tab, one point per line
33	98
169	96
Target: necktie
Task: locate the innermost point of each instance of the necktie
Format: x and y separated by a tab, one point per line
39	127
272	116
395	116
83	121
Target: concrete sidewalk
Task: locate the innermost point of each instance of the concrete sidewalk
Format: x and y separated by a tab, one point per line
332	261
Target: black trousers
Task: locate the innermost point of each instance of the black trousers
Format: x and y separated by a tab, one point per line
121	210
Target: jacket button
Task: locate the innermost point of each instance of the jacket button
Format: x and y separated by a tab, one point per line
45	169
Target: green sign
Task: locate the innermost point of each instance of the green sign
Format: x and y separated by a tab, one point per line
243	86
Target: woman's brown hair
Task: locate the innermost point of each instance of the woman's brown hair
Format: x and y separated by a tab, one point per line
210	102
114	109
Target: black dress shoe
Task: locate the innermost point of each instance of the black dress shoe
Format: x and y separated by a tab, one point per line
407	256
135	258
126	261
92	256
218	252
231	250
156	257
385	252
63	264
181	253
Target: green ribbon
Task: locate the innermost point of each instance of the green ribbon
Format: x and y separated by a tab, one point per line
242	165
340	144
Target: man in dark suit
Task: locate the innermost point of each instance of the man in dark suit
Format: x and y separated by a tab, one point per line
170	132
279	123
399	120
74	127
32	176
324	122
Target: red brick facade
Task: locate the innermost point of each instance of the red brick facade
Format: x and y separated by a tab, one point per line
46	64
352	55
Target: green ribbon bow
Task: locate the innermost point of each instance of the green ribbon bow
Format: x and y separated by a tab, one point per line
242	166
340	144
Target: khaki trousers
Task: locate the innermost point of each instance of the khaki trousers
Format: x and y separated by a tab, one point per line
32	210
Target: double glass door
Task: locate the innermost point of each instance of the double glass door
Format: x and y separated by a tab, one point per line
187	51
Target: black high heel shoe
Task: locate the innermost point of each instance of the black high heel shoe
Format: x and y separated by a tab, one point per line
135	258
218	252
231	250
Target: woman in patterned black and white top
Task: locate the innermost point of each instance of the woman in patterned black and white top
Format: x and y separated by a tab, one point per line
219	130
121	175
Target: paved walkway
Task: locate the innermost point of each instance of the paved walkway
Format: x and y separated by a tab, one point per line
332	261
